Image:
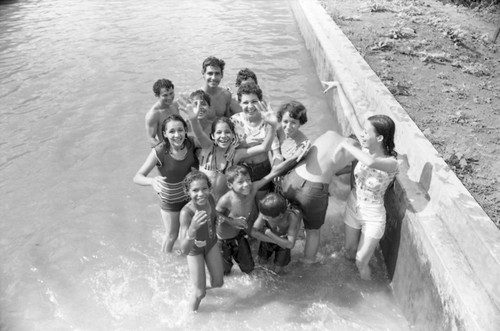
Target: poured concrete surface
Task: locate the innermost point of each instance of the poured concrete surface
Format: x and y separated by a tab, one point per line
441	249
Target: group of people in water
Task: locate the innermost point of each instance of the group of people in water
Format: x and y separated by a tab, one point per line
231	169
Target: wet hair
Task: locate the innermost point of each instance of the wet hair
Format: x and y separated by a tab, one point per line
213	62
295	110
162	83
173	118
385	127
223	120
249	88
200	94
234	171
194	176
245	74
272	205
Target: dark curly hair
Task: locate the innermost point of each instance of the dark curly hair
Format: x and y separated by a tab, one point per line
249	88
213	62
234	171
201	94
194	176
384	126
272	205
173	118
245	74
162	83
295	110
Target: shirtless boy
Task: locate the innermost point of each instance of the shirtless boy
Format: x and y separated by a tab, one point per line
164	107
307	185
213	71
276	228
236	212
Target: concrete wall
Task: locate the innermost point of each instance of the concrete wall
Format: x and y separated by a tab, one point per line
441	250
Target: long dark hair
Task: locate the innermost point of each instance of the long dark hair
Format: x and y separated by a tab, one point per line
384	126
174	118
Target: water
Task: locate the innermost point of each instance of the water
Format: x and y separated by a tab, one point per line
80	243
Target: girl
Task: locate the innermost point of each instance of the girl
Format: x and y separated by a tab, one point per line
377	166
251	129
220	152
291	115
198	236
174	158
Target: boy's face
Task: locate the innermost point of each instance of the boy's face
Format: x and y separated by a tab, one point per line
212	76
204	107
166	96
241	184
249	103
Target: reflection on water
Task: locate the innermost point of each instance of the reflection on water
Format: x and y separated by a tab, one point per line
80	242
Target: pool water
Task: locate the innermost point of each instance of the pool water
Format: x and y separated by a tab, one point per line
80	243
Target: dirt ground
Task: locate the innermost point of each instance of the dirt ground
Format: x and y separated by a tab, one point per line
441	64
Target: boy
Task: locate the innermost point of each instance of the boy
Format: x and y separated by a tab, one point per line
164	107
236	211
276	228
213	71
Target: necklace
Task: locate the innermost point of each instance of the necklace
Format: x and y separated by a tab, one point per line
178	154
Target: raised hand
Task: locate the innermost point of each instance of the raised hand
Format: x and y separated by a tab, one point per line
200	217
268	116
305	147
329	85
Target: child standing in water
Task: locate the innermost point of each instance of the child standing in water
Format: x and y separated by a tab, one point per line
365	214
291	115
174	159
198	236
237	211
276	228
250	128
219	153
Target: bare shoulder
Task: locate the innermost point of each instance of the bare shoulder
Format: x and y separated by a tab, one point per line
153	112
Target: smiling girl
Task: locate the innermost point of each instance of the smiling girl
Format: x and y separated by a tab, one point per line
199	236
377	166
174	159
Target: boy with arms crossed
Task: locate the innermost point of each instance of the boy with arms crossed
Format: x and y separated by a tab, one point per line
276	228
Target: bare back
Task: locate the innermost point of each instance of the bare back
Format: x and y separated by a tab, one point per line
324	159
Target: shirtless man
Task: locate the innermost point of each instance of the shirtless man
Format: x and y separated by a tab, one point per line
213	71
307	185
164	107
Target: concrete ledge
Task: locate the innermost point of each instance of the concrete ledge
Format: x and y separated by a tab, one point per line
441	249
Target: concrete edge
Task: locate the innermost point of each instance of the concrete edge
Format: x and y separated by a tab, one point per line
449	232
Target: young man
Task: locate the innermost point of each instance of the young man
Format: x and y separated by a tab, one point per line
164	107
308	183
213	71
276	228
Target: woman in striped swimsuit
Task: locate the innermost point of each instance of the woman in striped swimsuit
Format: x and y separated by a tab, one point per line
174	159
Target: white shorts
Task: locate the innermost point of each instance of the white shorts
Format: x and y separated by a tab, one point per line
369	218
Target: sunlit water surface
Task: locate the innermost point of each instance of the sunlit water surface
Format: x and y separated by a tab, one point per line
80	243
